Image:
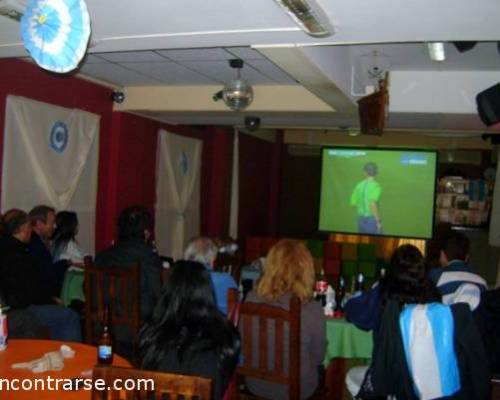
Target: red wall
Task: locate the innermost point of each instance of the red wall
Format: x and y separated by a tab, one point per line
134	166
259	186
21	78
127	156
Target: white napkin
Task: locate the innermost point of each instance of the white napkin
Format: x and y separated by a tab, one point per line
52	361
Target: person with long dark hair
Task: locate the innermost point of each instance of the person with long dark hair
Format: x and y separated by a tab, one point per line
64	244
187	334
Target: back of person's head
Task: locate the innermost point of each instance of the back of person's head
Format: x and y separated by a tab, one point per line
371	169
66	225
13	219
133	223
185	315
202	250
40	214
406	280
435	245
456	246
289	269
66	228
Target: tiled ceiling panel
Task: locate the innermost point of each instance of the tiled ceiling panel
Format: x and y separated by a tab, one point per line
94	59
270	70
214	54
117	75
222	72
183	67
133	56
170	73
245	53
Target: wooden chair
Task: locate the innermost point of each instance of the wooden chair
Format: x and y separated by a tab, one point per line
175	386
229	263
118	287
263	313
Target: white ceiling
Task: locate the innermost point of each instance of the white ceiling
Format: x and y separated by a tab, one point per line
189	42
208	66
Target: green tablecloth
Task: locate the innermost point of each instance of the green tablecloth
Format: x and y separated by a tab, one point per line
346	341
72	288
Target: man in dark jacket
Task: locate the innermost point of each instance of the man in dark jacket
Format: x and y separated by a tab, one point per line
21	284
52	273
133	247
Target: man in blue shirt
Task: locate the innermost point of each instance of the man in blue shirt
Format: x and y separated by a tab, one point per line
203	250
455	280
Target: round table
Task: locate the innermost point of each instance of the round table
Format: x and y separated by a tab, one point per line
22	350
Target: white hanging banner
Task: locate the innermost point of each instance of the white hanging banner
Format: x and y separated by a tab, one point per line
178	174
50	157
494	238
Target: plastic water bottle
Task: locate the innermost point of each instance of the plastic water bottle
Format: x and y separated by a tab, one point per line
330	301
3	329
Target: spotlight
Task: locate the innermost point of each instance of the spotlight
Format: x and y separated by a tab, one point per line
464	46
252	123
118	97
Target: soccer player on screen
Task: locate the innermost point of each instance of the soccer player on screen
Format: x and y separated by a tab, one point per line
365	197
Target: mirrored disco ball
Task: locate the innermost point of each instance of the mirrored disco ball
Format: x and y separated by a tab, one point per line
237	94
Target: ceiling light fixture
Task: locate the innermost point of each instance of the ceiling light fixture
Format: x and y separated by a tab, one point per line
309	16
237	93
436	51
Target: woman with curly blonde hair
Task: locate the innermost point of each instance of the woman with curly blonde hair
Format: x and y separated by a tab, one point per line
289	271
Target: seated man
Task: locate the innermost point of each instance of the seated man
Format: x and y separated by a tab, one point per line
455	280
21	284
204	251
52	273
133	247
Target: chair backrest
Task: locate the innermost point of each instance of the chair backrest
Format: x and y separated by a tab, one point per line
149	385
264	314
229	263
118	287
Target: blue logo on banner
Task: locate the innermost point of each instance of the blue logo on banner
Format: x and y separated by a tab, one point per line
59	137
183	163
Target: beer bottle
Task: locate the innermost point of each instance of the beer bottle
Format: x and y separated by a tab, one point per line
360	283
105	344
340	294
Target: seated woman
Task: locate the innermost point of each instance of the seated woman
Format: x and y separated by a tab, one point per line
289	271
64	244
433	350
187	334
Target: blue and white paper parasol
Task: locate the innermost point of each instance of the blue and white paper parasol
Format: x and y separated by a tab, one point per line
56	33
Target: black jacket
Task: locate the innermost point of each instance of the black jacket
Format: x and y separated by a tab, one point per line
20	280
51	273
389	375
129	252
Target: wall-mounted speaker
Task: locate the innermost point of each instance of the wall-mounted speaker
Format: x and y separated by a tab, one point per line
488	105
